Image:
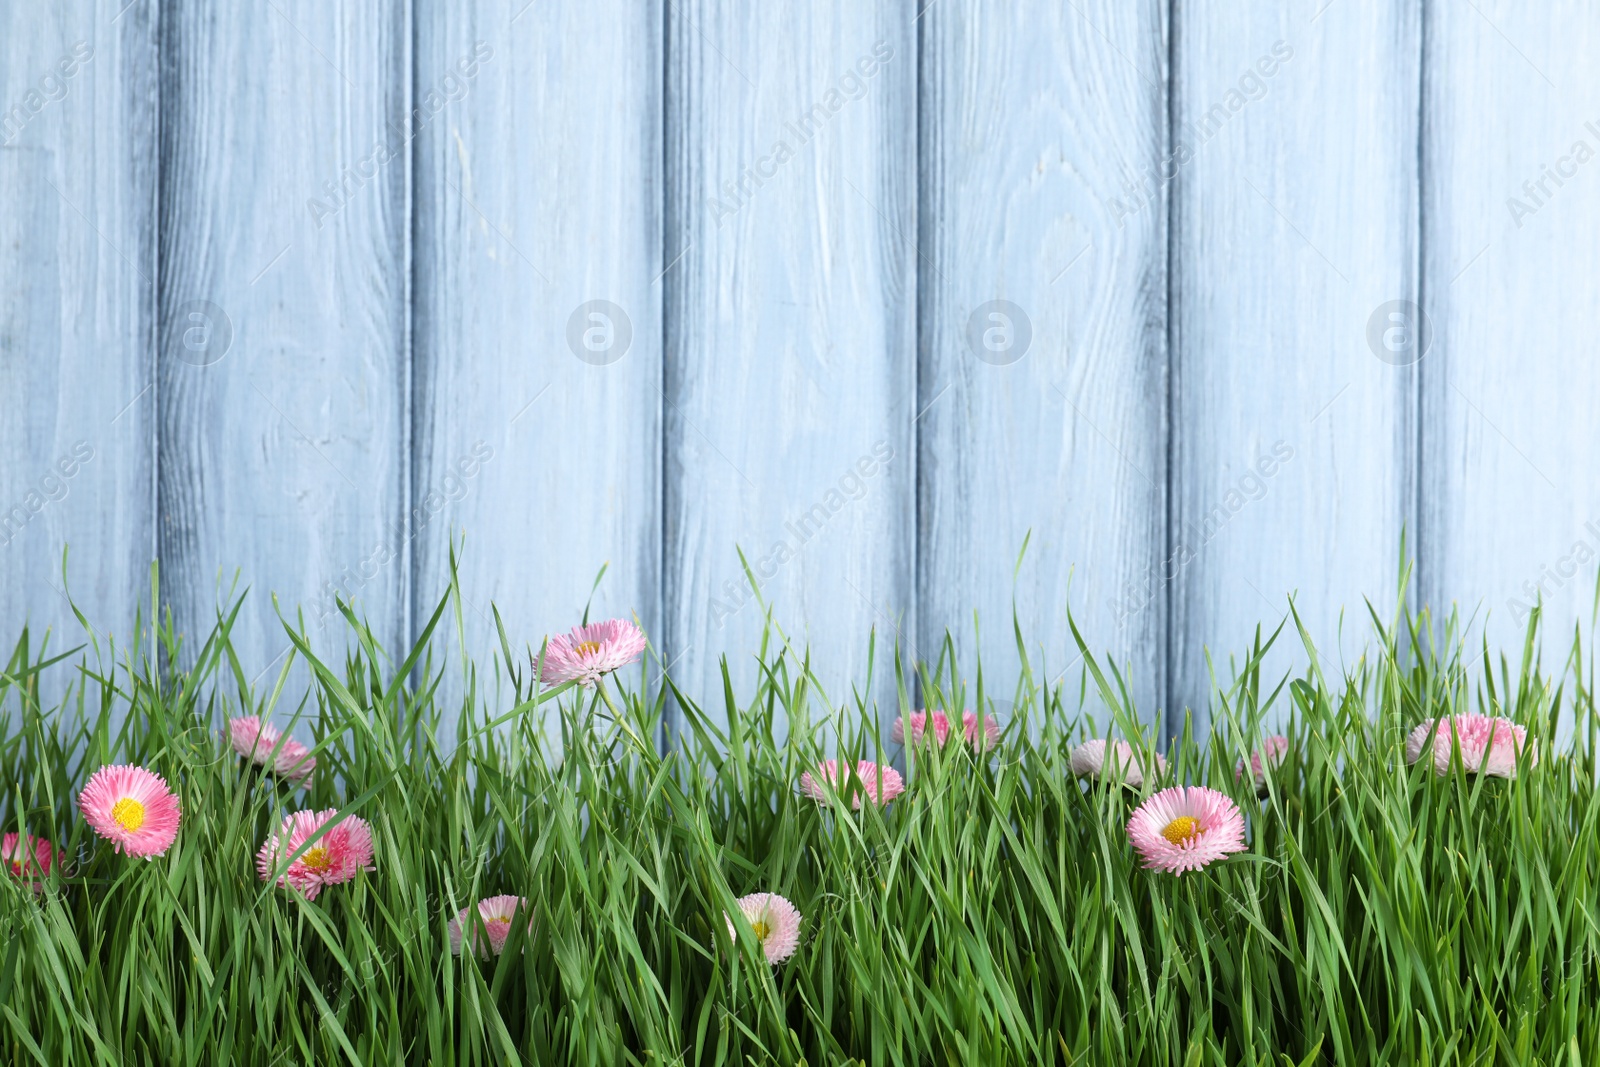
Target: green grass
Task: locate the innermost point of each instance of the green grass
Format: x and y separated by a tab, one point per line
994	914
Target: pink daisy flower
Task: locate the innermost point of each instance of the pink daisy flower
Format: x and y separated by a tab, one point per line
878	784
980	737
28	856
921	723
131	808
256	740
1489	744
1262	760
591	651
775	922
1185	828
337	856
486	926
1128	764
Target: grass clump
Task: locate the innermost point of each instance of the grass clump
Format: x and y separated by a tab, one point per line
995	912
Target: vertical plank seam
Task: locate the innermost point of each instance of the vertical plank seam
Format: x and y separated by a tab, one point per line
410	462
158	222
919	302
163	136
667	187
1167	603
1416	406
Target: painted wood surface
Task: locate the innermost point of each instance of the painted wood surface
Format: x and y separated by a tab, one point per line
288	299
283	448
1512	472
790	385
1042	388
1294	223
538	343
77	174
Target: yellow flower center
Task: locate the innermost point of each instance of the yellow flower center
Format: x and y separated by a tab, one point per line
761	929
317	859
587	648
16	867
129	814
1180	829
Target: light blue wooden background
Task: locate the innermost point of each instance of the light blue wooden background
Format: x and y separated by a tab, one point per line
390	219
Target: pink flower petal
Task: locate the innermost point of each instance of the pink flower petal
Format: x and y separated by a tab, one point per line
921	723
131	808
590	652
1489	744
1186	828
982	739
29	858
831	775
774	921
1262	760
336	857
1091	760
491	927
257	741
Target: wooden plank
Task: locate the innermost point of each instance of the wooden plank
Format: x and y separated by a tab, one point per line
1513	450
283	345
538	426
790	375
1040	131
1294	223
77	154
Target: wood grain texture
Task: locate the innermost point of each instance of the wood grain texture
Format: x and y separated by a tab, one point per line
1040	130
798	210
539	192
1294	221
284	455
790	374
1512	471
76	312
